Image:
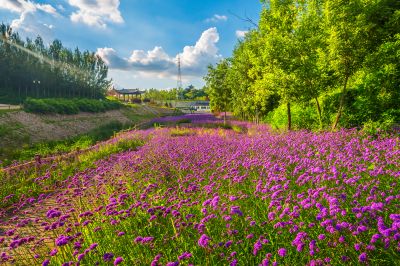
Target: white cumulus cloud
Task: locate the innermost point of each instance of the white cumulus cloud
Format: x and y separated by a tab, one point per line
194	59
96	12
29	23
47	8
110	56
216	18
21	6
17	6
241	33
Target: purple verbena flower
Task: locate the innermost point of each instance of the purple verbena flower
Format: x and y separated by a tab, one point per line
236	210
282	252
118	261
108	256
362	257
203	241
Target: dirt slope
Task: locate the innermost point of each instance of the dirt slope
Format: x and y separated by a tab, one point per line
18	128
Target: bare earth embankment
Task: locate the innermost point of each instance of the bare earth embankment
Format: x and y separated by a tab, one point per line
18	128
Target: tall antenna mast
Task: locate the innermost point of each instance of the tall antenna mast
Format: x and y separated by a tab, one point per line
179	84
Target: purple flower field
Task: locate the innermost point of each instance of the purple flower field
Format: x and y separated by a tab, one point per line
199	118
218	197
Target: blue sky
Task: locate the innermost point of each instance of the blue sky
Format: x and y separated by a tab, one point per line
139	39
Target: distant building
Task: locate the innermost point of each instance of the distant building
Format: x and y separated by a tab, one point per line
192	107
128	94
201	106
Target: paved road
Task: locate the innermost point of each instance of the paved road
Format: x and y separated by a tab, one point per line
9	107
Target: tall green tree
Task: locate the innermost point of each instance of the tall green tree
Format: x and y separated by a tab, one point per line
312	70
30	69
336	56
277	25
244	71
218	87
346	28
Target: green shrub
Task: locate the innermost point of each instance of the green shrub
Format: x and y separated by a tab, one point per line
303	117
69	106
62	106
37	106
112	104
86	105
363	107
388	121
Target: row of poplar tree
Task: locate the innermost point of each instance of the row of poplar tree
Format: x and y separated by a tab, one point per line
337	63
189	93
32	69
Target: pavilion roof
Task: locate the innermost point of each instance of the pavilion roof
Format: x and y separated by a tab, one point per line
130	91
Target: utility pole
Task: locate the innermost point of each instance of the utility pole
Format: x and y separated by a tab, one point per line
179	83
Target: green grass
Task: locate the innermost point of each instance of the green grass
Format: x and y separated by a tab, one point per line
56	147
137	117
216	125
238	129
179	132
25	183
3	130
228	126
11	133
6	111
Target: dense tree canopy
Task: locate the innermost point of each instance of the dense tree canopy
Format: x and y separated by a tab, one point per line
189	93
218	84
31	69
323	63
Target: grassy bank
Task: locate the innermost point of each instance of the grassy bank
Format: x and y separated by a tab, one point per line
24	135
63	146
69	106
25	183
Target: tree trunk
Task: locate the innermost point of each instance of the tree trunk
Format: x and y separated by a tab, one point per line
225	117
319	112
257	117
289	115
341	103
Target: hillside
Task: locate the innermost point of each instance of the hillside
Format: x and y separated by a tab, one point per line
19	129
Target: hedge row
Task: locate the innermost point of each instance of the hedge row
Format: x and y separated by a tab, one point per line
69	106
